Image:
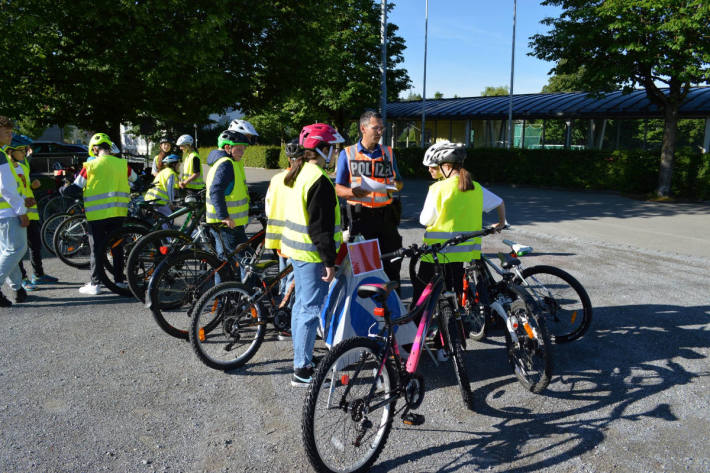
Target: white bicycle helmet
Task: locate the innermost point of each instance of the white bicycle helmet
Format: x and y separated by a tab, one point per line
185	140
444	152
243	127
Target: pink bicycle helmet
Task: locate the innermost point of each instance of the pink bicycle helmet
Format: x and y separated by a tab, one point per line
320	133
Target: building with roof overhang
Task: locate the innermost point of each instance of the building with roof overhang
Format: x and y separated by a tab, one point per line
575	120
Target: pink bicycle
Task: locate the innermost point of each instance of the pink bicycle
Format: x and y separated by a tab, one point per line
352	400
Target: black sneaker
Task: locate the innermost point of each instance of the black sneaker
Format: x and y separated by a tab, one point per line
302	377
21	295
4	301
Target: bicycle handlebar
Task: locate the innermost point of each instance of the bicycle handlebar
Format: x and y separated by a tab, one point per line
416	250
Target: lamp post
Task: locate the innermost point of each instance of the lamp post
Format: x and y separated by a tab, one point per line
383	69
512	69
426	25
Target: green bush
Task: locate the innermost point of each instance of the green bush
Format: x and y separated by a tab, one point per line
254	156
633	172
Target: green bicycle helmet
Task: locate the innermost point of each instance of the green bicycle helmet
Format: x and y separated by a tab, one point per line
231	137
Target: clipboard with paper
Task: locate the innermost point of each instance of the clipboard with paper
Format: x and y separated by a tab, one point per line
371	185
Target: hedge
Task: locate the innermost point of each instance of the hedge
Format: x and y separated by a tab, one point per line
631	172
268	157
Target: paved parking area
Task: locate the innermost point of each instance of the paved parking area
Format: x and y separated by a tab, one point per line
92	384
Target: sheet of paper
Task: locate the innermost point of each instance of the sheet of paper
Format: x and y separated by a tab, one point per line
372	185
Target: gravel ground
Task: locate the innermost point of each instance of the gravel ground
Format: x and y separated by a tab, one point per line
92	384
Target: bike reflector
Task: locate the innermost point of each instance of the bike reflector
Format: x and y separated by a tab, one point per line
202	334
344	380
379	312
529	330
163	250
574	316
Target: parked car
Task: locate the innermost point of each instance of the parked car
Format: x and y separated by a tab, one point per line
48	156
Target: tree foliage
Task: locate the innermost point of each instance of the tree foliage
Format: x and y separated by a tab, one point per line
612	43
491	91
169	64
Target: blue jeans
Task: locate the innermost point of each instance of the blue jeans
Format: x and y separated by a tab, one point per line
13	246
226	240
311	292
285	282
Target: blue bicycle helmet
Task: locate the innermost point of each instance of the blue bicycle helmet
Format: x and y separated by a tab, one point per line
171	158
19	141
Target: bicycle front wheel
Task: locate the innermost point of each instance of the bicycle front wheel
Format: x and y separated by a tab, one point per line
562	299
71	242
48	228
119	244
531	352
177	283
454	337
343	429
226	328
145	256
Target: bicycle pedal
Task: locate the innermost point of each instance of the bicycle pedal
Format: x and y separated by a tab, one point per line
411	418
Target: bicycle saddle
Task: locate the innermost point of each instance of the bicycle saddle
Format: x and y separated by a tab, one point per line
380	291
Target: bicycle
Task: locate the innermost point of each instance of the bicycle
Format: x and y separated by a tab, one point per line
229	321
561	299
184	276
363	377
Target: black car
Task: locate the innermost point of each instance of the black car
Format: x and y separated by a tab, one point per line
48	156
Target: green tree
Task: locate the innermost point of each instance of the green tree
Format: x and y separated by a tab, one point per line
615	43
412	97
490	91
438	95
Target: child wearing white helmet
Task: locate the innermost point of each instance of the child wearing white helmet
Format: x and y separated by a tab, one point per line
191	171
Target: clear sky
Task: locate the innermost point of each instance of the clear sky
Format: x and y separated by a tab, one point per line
469	45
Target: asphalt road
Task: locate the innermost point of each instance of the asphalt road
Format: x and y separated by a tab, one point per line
92	384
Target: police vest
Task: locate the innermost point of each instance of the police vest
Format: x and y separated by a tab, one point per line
4	204
159	191
457	212
278	195
188	170
380	169
107	192
237	201
295	240
32	212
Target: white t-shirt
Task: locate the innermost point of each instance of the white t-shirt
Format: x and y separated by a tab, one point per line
429	214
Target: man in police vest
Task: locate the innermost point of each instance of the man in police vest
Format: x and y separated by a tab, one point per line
227	197
372	214
105	182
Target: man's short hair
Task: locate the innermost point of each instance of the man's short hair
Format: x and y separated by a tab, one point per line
6	122
365	117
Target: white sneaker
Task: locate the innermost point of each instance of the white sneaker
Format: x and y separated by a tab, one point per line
122	285
441	355
92	289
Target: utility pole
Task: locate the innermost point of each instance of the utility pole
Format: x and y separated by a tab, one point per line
383	69
426	26
512	69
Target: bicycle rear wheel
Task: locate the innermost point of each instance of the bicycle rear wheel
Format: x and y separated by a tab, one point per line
453	335
119	242
562	299
145	256
48	228
71	242
531	353
226	329
55	205
177	283
474	316
339	434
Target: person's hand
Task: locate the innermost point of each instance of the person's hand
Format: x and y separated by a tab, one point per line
359	192
499	226
329	274
229	222
36	184
24	220
181	184
30	202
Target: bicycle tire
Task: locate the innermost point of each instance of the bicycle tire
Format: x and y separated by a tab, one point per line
48	228
71	242
336	371
531	356
562	299
55	205
475	320
453	337
126	236
226	329
145	257
177	283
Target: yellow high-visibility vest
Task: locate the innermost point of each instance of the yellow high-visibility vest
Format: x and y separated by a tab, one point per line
32	212
278	197
457	212
237	201
107	192
295	240
159	191
187	171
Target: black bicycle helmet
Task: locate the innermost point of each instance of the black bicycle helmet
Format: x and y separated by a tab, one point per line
293	149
